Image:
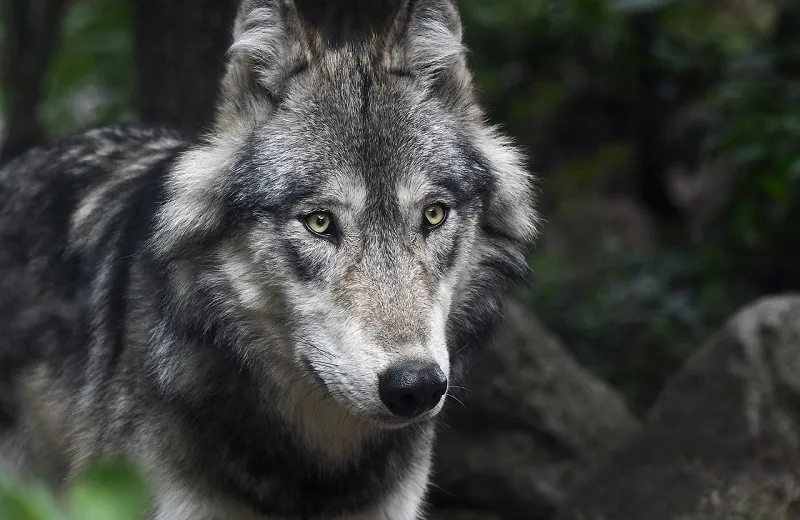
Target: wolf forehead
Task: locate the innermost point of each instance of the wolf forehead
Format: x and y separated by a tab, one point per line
362	128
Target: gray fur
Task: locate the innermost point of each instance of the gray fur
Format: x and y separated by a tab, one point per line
218	341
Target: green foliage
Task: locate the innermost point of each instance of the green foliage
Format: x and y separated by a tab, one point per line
757	235
550	68
31	502
106	490
92	78
531	56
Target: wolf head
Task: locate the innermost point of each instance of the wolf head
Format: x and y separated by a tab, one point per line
351	224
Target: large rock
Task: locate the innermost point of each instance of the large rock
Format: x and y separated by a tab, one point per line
531	420
723	440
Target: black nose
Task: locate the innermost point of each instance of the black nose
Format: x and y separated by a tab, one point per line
411	389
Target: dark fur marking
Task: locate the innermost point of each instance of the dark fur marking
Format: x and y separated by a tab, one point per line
449	259
242	450
306	270
366	85
402	73
143	198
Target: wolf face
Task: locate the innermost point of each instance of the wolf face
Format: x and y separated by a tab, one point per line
374	227
351	221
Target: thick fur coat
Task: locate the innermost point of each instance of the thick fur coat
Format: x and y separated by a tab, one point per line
225	310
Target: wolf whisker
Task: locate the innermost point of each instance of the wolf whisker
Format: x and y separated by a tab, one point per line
456	399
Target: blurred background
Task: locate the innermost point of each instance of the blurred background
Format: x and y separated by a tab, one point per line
666	134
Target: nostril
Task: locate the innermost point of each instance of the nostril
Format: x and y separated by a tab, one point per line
412	388
406	400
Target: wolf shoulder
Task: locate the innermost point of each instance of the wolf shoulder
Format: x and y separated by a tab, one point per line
76	187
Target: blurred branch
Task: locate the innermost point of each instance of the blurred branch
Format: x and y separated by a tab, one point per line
32	29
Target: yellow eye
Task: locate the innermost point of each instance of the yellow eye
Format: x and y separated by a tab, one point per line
435	214
319	222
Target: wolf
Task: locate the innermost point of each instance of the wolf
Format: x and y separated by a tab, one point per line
268	318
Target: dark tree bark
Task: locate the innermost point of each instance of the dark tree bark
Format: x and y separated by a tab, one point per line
180	56
649	119
786	39
31	28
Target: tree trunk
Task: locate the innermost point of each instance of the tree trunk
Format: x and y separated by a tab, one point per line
180	57
648	125
786	40
31	28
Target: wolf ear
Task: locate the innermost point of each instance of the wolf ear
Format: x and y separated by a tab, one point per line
270	42
426	41
511	209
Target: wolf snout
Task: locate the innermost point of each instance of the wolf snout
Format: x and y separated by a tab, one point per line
412	388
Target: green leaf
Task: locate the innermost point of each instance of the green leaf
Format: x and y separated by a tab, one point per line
109	490
29	502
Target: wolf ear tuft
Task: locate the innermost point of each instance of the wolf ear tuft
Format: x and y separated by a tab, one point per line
426	40
269	44
427	37
511	209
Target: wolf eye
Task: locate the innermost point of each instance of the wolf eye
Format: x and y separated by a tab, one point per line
435	214
318	222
